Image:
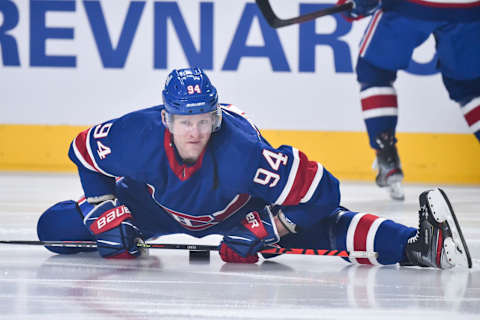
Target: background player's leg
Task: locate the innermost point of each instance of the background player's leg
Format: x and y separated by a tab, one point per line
379	110
467	94
458	50
63	222
386	47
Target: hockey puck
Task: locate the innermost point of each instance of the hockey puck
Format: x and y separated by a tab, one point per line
199	254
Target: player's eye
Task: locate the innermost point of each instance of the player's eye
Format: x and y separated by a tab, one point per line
186	123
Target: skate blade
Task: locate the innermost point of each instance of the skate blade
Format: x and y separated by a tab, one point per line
442	211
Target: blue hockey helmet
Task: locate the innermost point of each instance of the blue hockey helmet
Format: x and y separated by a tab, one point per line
188	92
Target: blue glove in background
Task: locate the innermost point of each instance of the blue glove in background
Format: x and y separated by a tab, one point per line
364	8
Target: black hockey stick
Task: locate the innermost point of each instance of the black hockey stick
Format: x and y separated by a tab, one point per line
199	247
275	22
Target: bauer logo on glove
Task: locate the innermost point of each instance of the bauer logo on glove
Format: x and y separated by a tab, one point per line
110	219
253	223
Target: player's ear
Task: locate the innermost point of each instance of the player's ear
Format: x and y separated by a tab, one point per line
164	118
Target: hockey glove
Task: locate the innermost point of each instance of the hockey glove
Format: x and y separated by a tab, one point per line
256	231
111	225
363	8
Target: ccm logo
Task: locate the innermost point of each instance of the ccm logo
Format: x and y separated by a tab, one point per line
112	218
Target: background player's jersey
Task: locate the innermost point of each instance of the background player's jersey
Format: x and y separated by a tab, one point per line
451	10
238	172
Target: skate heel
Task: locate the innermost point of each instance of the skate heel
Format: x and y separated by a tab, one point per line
450	250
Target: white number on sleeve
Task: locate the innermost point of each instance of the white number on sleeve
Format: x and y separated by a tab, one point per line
264	176
103	150
275	159
101	131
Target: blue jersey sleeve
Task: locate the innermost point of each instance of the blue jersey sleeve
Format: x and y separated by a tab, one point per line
284	176
116	148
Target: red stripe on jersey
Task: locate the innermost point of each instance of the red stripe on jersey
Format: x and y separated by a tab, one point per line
182	171
150	189
473	116
190	217
233	207
81	200
373	26
360	236
198	223
379	101
303	179
446	5
81	144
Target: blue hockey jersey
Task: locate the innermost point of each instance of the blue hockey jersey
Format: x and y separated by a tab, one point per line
449	10
238	172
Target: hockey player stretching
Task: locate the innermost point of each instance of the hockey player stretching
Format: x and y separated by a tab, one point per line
198	167
395	30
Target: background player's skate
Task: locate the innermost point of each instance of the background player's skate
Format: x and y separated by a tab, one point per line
387	163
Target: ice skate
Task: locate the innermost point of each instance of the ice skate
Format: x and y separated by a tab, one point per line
387	163
439	242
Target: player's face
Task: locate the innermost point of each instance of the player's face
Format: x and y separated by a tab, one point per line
191	134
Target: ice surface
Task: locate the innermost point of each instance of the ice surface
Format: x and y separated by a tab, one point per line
36	284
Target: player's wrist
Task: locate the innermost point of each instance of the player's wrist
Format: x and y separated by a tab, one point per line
286	225
99	199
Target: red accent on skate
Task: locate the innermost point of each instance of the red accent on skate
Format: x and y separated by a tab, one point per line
393	171
439	248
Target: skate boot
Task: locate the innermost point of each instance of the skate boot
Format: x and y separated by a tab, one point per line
390	173
439	242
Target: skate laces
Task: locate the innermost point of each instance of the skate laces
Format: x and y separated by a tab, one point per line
421	214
